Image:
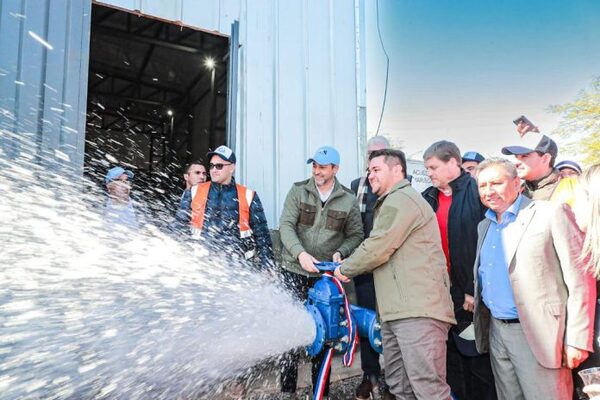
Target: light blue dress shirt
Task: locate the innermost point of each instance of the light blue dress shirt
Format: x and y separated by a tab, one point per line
496	290
121	214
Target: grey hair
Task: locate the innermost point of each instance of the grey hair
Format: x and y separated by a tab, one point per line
378	140
505	164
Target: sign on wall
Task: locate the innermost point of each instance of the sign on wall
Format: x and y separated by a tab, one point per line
420	180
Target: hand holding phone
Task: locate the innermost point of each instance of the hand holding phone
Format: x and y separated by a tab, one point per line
524	125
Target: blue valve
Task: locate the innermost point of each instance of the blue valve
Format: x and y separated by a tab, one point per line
325	304
327	266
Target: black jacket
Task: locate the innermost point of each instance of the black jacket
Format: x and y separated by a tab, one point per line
466	211
221	227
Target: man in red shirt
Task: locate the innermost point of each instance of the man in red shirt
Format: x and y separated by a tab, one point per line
454	198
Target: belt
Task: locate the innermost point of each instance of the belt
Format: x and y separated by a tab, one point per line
509	321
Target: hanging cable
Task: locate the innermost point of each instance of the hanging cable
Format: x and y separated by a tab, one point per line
387	72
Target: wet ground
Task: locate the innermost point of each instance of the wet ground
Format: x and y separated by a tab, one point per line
262	384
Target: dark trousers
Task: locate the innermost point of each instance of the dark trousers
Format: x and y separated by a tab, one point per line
365	297
470	378
298	285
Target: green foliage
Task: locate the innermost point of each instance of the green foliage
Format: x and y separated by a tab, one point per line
580	123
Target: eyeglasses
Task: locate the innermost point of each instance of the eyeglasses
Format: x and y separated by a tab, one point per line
218	167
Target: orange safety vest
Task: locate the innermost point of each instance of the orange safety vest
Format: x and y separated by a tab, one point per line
200	197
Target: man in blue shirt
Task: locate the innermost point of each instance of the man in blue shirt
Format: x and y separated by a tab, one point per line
534	301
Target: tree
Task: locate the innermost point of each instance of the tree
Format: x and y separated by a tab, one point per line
580	123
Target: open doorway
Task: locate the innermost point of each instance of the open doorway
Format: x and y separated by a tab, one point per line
157	98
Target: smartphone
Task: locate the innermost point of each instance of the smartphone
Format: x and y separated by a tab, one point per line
523	119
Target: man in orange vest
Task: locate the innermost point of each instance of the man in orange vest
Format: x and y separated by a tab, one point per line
227	216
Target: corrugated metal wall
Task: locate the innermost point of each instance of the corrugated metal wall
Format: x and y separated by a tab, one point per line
298	92
44	48
297	78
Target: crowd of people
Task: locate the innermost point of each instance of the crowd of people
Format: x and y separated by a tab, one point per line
485	283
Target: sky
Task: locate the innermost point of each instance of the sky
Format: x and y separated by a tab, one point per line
462	70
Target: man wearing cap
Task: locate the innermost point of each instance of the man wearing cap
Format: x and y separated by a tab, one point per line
470	161
568	169
119	207
320	222
404	253
534	300
363	284
227	216
535	156
454	198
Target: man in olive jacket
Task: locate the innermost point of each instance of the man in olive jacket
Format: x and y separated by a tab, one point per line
404	252
320	222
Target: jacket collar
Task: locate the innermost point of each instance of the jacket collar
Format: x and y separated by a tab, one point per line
398	186
457	184
311	187
513	209
221	187
549	179
461	181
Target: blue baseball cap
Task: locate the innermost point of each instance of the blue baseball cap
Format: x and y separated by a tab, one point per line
325	155
115	172
472	156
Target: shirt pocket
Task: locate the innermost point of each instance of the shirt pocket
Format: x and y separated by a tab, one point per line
308	213
335	220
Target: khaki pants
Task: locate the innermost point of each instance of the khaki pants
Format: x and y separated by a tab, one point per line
415	358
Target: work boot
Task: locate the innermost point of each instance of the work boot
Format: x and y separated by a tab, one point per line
364	391
387	395
384	390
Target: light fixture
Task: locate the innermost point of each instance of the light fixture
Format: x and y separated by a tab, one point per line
170	113
209	62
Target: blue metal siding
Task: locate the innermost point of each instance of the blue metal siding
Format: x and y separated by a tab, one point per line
43	86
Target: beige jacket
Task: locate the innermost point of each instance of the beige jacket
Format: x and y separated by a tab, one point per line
404	251
555	297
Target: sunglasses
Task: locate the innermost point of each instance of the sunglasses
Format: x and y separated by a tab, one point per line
218	167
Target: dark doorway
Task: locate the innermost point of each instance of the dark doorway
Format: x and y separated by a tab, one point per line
157	98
